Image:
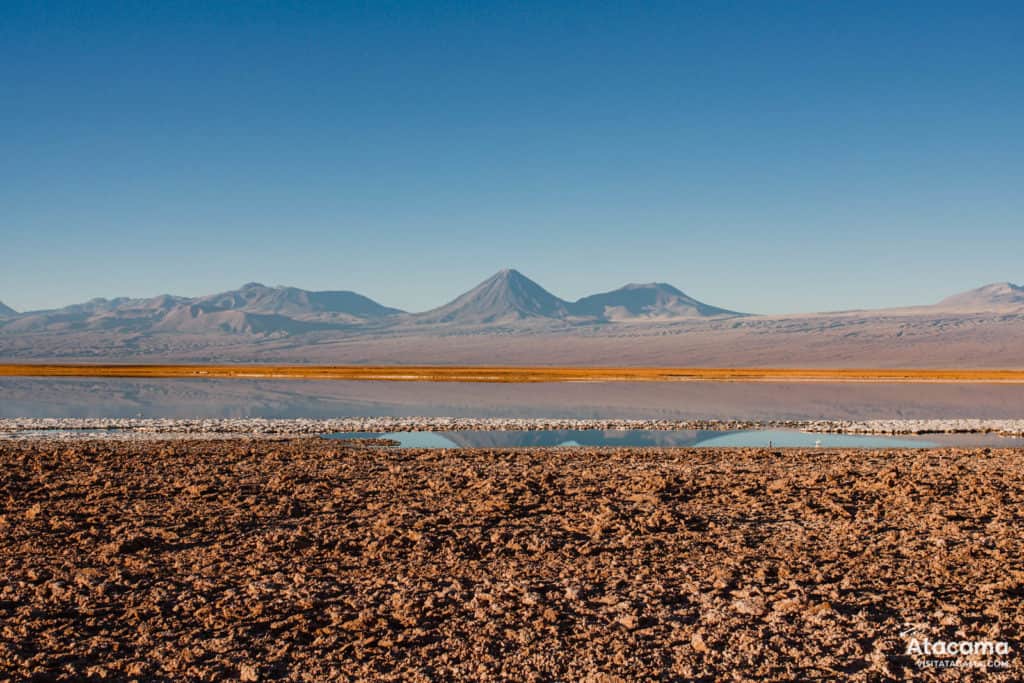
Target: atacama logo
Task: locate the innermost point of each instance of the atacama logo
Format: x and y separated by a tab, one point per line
975	654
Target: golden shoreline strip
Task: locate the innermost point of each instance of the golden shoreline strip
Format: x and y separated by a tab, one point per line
422	373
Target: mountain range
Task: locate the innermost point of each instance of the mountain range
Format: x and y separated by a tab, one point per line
506	297
509	318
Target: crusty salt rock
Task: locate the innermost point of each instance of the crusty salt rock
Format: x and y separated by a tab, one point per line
452	607
752	606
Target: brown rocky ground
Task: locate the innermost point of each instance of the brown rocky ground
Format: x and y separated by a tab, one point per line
314	560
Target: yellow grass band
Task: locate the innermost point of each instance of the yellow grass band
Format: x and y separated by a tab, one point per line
423	373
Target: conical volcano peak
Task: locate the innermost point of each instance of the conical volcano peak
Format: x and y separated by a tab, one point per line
505	296
509	275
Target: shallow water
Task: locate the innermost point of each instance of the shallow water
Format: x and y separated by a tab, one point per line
188	398
641	437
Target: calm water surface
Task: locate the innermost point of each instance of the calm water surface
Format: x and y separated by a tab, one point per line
637	437
756	438
188	398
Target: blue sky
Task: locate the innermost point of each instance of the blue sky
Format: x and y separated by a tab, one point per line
762	156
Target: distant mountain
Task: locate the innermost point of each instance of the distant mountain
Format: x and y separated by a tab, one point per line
997	296
653	301
509	318
506	296
509	296
121	314
193	319
6	311
294	303
252	309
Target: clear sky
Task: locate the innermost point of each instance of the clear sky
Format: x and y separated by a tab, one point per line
762	156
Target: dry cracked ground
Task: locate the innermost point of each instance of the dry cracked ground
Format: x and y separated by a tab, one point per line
315	560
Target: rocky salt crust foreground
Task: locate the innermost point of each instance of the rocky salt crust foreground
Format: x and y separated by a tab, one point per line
11	427
956	426
263	426
305	559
